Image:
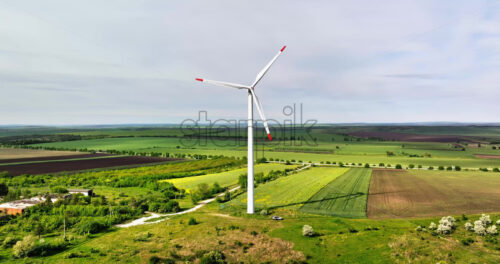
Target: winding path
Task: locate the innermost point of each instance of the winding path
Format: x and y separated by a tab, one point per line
146	219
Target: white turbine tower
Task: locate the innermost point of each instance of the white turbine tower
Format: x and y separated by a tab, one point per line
251	97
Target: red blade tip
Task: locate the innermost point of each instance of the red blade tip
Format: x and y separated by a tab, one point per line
199	79
269	136
282	49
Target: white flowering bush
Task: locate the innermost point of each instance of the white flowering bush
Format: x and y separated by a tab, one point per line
479	228
448	220
492	230
308	231
446	225
485	219
469	226
432	226
444	228
498	222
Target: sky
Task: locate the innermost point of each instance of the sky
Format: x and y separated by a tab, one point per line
116	62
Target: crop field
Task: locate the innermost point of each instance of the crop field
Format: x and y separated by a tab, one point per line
225	179
345	196
81	164
365	151
293	190
417	193
53	158
19	153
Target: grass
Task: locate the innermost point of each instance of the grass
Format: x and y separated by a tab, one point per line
225	179
345	196
293	190
258	239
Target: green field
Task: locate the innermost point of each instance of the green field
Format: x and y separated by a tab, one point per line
292	190
225	179
365	151
345	196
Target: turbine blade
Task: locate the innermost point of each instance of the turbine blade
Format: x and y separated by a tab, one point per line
226	84
264	71
261	113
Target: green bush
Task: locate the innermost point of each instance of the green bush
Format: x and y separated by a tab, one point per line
458	168
9	242
398	166
24	247
213	257
59	189
192	221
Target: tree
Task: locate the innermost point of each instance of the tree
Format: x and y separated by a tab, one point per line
39	230
457	168
4	190
242	181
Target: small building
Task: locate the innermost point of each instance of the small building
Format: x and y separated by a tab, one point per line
17	207
86	192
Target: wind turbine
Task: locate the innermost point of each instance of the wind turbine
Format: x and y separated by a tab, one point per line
251	97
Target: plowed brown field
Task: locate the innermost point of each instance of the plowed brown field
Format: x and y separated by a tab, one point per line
76	165
416	193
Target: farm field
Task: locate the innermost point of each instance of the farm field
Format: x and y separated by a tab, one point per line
54	158
363	215
373	152
293	190
225	179
418	193
76	165
19	153
345	196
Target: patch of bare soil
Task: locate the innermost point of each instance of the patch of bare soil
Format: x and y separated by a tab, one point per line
76	165
485	156
406	194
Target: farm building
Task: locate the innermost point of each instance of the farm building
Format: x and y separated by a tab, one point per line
17	207
86	192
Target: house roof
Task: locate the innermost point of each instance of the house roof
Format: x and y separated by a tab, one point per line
21	204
